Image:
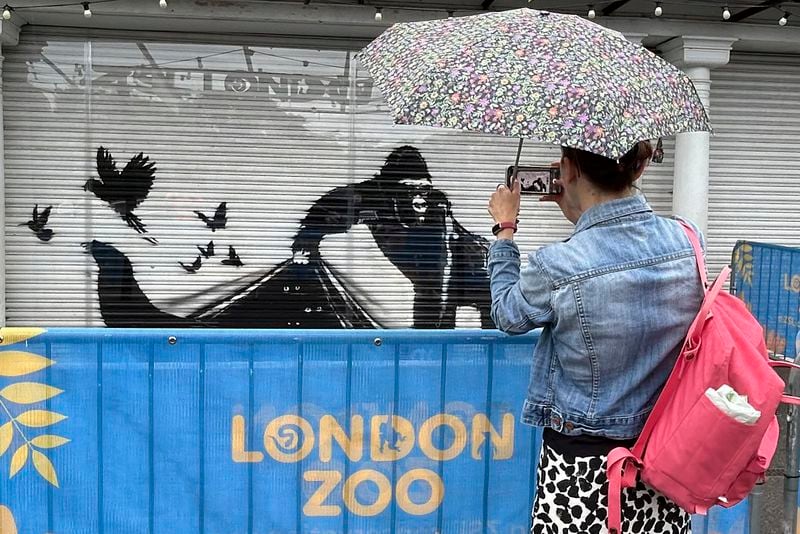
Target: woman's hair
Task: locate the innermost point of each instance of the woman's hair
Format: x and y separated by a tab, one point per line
608	174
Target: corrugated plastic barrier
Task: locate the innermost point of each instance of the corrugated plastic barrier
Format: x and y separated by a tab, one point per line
767	278
227	432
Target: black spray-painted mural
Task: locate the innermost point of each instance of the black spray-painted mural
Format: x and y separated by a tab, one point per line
38	222
410	220
218	220
125	190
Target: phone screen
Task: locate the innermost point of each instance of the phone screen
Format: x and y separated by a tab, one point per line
534	180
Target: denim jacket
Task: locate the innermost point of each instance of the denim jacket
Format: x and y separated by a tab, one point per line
615	301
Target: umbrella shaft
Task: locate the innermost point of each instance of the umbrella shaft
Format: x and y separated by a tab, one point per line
516	163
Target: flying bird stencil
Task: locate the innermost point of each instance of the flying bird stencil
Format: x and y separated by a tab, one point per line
192	267
123	191
208	251
219	220
38	222
233	258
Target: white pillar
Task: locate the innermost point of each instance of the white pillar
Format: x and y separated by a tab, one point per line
696	56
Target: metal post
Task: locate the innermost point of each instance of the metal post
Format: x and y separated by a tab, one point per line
792	471
755	505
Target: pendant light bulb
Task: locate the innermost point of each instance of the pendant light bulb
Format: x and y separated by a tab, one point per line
726	13
658	11
592	13
784	20
86	11
6	12
378	14
162	4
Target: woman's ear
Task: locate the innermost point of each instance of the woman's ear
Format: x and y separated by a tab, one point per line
640	170
569	170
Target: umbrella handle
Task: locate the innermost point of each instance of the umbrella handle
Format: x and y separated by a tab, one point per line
516	165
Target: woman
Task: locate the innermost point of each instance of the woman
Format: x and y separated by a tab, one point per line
615	301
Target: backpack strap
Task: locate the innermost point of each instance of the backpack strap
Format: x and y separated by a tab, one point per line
622	468
698	250
691	342
786	399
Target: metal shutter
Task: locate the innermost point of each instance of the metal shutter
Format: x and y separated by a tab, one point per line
269	130
755	154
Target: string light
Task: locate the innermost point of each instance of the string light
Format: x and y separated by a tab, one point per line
591	13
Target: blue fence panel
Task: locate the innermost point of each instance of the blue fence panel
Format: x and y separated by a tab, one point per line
222	431
767	278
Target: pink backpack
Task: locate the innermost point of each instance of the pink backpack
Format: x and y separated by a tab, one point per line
689	450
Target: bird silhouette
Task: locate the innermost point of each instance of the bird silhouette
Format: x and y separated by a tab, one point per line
208	251
125	190
233	258
38	222
192	268
220	218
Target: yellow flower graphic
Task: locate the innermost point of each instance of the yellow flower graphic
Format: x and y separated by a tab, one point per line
743	262
7	523
18	397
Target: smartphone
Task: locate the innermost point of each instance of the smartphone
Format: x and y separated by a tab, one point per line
535	180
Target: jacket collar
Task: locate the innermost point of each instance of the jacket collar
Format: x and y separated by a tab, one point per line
613	209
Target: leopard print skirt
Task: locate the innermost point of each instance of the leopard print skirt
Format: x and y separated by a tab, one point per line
572	497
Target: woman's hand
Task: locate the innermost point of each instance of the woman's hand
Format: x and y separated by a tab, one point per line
570	211
504	203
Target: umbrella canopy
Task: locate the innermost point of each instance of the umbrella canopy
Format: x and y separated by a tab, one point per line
533	74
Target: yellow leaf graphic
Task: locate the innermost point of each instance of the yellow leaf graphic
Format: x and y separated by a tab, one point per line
39	418
18	460
6	433
47	441
13	335
7	524
29	392
45	467
17	363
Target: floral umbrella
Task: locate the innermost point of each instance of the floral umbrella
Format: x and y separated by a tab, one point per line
533	74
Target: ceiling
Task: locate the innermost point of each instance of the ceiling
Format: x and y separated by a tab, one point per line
758	11
753	24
